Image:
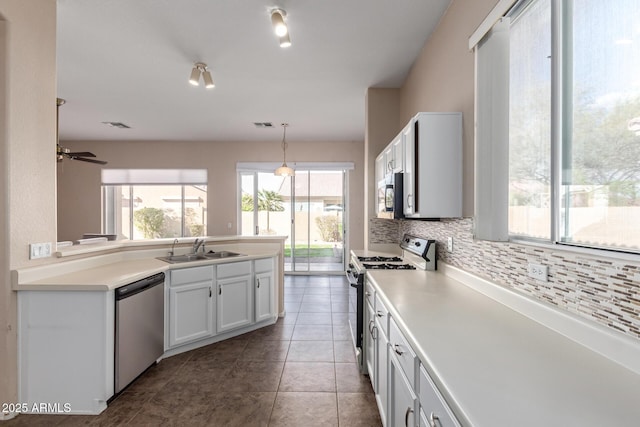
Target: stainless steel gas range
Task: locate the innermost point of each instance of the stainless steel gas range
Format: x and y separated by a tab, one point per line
417	253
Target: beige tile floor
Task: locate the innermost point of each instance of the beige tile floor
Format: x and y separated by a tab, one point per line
299	372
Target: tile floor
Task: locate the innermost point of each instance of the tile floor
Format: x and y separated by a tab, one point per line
299	372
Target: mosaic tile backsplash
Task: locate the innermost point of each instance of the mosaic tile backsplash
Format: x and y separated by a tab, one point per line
605	290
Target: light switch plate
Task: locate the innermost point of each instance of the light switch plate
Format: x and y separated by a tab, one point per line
450	244
39	250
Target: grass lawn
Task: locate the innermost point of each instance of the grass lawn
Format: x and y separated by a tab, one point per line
313	251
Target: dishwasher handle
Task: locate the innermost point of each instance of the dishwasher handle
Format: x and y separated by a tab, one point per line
139	286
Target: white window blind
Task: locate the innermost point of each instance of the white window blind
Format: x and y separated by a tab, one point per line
153	176
492	134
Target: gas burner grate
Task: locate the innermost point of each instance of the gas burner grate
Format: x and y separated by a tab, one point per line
379	259
388	266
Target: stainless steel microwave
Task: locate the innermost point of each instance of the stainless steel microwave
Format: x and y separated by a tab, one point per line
390	197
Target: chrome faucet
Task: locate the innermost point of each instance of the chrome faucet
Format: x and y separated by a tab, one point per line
196	244
173	247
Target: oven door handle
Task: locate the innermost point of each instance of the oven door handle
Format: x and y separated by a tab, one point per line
353	280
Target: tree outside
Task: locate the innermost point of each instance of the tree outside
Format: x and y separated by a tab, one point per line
151	221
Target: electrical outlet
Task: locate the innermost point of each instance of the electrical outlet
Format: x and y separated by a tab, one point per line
39	250
538	272
449	244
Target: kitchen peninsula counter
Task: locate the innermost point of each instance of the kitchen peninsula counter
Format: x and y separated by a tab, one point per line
110	265
498	367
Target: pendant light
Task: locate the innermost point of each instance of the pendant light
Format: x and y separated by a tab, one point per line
284	170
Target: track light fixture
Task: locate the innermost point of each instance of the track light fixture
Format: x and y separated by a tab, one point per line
284	170
280	27
200	68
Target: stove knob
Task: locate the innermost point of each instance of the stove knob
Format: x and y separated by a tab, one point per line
406	240
417	243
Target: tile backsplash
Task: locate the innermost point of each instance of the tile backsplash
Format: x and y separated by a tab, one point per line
605	290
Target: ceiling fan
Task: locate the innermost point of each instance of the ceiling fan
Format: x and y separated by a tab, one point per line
62	152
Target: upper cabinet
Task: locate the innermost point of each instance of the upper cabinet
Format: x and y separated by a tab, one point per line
433	166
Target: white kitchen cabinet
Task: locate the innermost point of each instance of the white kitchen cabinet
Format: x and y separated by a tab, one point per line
65	351
433	408
234	286
369	336
380	167
264	289
191	305
397	150
403	403
432	179
381	358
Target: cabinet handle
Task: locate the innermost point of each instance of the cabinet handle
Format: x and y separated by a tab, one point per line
409	197
219	289
367	293
258	282
396	348
434	421
210	292
371	327
406	416
379	313
374	332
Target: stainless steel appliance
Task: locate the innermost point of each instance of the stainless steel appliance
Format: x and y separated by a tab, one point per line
139	328
390	196
417	253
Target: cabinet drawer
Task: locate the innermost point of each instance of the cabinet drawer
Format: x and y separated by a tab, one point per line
369	294
400	347
382	314
432	403
263	265
234	269
191	275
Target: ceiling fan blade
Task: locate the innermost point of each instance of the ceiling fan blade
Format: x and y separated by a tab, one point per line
82	154
82	159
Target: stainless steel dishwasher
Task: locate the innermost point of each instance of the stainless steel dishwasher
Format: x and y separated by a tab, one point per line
139	329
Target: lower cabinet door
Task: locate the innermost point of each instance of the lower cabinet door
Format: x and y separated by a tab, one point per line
382	362
265	304
369	338
191	313
235	302
402	399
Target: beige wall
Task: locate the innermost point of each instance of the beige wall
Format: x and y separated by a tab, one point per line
27	135
79	204
381	125
442	78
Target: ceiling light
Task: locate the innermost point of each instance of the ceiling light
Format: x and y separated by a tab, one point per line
284	170
208	80
277	19
195	76
285	41
200	68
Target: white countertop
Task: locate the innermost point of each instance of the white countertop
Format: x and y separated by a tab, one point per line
107	272
497	367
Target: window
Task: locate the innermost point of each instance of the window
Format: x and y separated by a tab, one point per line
573	120
154	203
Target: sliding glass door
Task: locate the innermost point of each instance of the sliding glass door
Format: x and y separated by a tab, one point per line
309	208
318	221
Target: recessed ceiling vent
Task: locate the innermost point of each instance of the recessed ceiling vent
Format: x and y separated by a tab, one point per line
263	124
117	125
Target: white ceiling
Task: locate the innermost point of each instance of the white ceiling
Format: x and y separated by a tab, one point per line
129	61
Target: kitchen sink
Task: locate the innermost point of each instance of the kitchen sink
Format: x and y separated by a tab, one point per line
173	259
222	254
